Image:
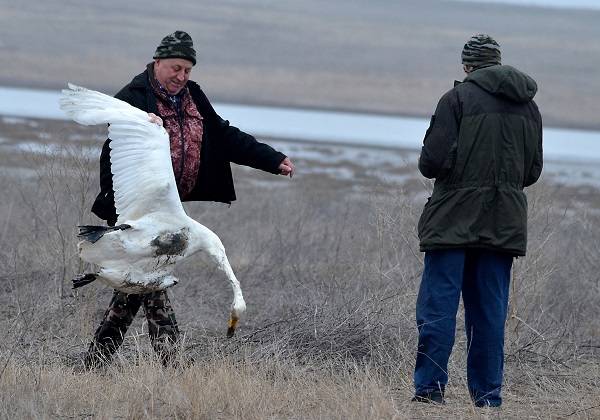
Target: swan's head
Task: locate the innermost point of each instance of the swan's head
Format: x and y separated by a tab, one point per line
238	307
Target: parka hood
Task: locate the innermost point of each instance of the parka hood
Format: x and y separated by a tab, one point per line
504	81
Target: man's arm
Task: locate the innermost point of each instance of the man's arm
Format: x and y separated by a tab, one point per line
439	146
239	147
243	149
538	161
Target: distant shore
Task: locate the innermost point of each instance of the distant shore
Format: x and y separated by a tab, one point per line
319	126
392	58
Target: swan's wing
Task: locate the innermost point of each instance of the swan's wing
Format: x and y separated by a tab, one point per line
140	154
143	179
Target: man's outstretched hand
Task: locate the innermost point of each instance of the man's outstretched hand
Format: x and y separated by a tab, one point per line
286	167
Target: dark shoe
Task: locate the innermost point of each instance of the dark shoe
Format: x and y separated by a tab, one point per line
433	397
487	403
485	399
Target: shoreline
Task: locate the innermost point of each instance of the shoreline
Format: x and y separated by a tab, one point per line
297	124
290	106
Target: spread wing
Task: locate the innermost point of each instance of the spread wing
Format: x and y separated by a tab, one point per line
140	155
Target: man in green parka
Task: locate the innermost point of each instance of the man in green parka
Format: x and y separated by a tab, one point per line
484	145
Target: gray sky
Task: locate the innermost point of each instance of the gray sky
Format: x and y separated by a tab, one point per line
591	4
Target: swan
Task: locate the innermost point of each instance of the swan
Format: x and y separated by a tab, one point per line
153	233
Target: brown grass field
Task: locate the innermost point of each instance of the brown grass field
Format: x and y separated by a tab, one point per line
329	260
330	267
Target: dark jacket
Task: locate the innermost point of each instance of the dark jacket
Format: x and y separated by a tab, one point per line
222	143
484	145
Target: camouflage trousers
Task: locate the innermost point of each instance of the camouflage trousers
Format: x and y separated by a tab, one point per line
162	326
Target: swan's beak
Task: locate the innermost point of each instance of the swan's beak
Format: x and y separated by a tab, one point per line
233	320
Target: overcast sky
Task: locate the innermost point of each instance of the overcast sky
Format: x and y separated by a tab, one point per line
592	4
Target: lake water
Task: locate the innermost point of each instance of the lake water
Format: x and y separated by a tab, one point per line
317	126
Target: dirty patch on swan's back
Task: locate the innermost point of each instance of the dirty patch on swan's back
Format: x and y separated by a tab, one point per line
171	243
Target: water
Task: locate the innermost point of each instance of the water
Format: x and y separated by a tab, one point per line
317	126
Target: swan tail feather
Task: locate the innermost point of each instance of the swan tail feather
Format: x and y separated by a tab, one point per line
83	279
94	233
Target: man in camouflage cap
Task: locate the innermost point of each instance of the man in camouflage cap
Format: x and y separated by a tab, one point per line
176	45
483	146
202	146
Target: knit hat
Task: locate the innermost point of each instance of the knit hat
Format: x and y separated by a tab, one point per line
176	45
481	51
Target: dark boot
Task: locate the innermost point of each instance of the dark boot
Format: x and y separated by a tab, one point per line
433	397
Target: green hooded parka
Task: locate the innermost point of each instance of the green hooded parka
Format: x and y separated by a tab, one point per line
483	146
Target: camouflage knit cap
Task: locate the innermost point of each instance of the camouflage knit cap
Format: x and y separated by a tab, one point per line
176	45
481	51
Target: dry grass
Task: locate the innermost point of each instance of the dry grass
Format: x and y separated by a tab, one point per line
330	270
274	389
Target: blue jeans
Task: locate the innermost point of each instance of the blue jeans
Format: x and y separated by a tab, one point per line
483	277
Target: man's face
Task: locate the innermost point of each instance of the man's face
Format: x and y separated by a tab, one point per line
172	73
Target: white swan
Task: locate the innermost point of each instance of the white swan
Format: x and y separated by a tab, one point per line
153	232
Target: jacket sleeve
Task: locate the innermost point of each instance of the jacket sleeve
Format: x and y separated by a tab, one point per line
235	145
538	161
439	146
104	206
243	149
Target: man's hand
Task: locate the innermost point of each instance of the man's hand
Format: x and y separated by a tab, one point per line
153	118
286	167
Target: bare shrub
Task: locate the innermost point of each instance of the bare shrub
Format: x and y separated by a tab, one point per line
553	287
